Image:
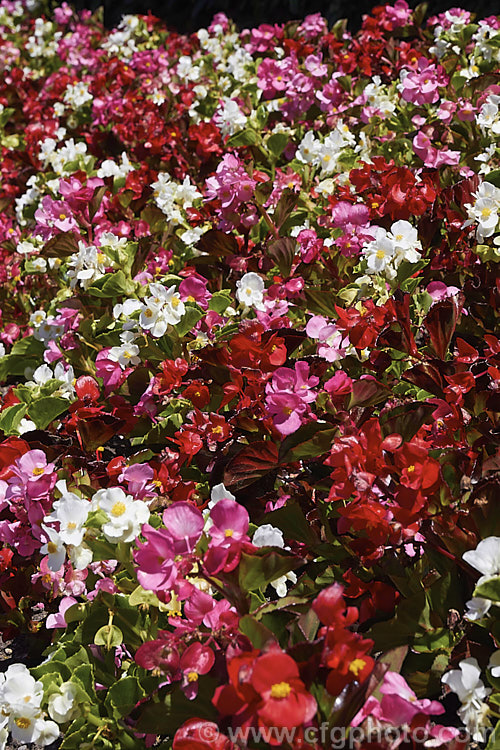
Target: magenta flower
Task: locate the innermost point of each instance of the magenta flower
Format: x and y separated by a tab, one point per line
421	86
195	661
229	523
57	620
138	478
185	525
156	569
231	184
53	217
287	410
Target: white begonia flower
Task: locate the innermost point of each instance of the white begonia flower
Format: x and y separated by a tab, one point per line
125	355
229	118
308	149
62	706
485	558
470	689
250	290
280	584
127	308
494	663
219	492
163	309
81	556
19	687
466	681
72	512
477	608
406	242
110	168
380	253
48	732
54	548
77	94
86	266
126	515
67	378
268	536
25	425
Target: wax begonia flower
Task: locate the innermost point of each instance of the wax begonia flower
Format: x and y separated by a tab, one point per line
184	522
195	661
485	558
229	522
285	700
156	569
126	515
249	290
471	692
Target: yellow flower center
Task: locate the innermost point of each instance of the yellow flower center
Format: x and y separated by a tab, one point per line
280	690
37	471
380	254
118	509
175	302
192	676
62	216
357	666
410	469
228	532
51	548
22	722
486	213
71	525
148	313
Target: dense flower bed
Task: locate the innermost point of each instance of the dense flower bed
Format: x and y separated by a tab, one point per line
249	460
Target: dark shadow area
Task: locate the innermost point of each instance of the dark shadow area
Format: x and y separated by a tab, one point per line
191	15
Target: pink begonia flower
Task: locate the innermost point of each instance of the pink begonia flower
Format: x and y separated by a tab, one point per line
431	156
147	402
195	290
53	217
296	381
229	523
332	345
421	86
196	660
230	184
312	26
399	703
57	620
439	291
263	38
399	14
33	473
185	525
111	372
156	569
344	213
287	410
18	537
331	95
138	478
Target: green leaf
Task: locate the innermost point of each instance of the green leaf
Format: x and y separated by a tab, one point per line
277	143
112	285
28	347
108	636
245	137
309	441
489	589
220	301
258	570
45	410
11	417
123	696
188	320
493	177
258	634
293	523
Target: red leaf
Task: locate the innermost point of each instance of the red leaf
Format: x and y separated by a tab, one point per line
441	321
251	464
